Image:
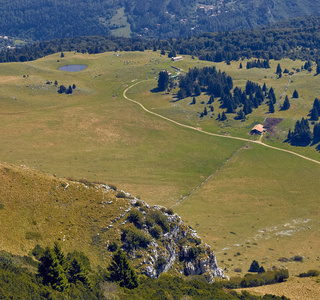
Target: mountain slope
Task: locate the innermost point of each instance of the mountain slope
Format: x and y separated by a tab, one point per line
49	19
36	208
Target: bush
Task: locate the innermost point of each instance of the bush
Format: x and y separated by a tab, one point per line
136	217
113	246
121	195
156	231
112	186
156	217
298	258
238	270
37	251
310	273
161	261
194	252
169	211
134	238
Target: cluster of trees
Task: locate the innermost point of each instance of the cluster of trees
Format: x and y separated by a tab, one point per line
257	63
59	271
62	89
207	79
17	280
302	135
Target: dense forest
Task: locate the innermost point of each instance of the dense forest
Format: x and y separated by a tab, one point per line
294	41
51	19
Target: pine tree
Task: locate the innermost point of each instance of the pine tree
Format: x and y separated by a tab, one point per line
240	66
163	80
254	267
316	133
314	114
223	117
197	90
60	256
121	271
193	101
51	271
271	107
295	94
286	104
78	273
261	270
205	112
264	88
62	55
279	70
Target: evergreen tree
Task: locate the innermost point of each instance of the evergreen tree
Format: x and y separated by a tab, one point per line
69	90
241	115
193	101
295	94
205	112
240	66
219	116
55	82
223	117
314	114
279	70
316	133
286	104
78	273
272	96
121	271
60	256
254	267
62	55
197	90
271	107
264	88
261	270
163	81
51	271
318	67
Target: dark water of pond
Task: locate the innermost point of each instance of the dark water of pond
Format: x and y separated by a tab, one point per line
73	68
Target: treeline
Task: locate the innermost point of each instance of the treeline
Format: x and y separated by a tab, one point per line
267	43
257	63
28	279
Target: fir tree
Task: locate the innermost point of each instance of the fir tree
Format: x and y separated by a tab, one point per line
121	271
163	81
254	267
279	70
314	114
78	273
51	271
205	112
240	66
286	104
295	94
197	90
60	256
271	107
223	117
316	133
193	101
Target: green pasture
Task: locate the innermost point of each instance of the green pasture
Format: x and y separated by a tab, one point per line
97	134
262	204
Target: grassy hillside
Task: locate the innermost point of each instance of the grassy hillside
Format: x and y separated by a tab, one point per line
96	134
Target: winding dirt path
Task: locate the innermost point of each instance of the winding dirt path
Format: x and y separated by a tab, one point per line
209	133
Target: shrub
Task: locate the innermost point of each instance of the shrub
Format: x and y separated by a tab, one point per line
310	273
33	236
134	238
1	206
121	195
156	217
298	258
112	186
37	251
238	270
156	231
169	211
194	252
161	261
136	217
113	246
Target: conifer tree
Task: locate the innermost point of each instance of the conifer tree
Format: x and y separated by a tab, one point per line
279	70
163	81
271	107
254	267
60	256
205	112
295	94
193	101
240	66
286	104
121	271
316	133
51	271
314	114
78	273
223	117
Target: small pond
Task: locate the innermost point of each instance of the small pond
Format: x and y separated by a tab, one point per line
73	68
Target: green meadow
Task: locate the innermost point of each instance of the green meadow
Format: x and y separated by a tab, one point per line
258	204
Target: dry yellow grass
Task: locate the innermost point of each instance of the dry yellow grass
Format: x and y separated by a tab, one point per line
295	288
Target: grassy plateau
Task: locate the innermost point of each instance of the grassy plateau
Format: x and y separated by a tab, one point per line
258	203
